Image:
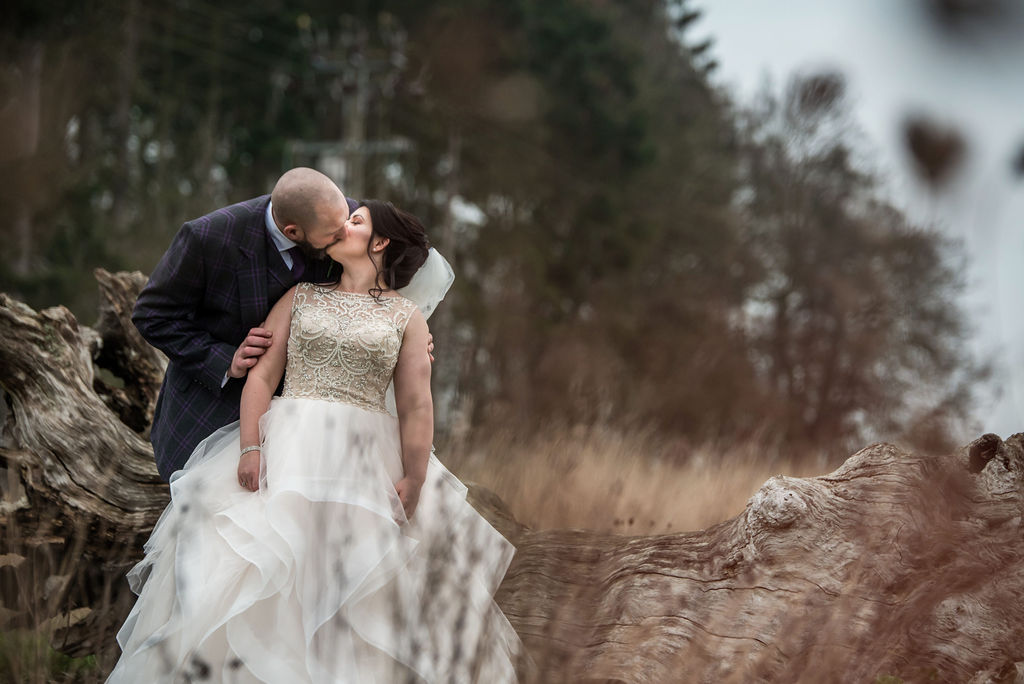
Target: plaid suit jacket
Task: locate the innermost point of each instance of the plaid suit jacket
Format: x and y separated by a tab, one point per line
218	279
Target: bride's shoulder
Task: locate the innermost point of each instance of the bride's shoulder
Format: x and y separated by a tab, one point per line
302	295
411	308
405	302
405	310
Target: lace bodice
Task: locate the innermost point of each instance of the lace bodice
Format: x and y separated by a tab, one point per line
343	346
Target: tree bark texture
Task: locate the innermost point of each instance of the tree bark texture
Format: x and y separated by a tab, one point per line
896	564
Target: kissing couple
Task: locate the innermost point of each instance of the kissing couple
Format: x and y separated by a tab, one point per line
312	535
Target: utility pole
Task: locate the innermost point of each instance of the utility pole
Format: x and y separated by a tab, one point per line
358	72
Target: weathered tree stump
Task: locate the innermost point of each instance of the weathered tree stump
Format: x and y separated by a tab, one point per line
895	564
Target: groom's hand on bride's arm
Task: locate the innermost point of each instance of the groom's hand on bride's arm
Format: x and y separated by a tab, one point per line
430	346
249	352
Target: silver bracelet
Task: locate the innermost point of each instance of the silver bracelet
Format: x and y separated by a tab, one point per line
254	447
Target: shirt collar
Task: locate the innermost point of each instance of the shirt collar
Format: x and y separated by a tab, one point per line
281	241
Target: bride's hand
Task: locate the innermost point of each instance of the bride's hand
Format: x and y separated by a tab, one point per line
249	470
409	494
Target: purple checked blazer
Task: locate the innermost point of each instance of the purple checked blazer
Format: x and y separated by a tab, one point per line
218	279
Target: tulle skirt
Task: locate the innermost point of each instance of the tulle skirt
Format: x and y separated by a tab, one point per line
318	576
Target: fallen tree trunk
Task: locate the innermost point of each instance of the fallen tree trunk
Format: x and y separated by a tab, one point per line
895	564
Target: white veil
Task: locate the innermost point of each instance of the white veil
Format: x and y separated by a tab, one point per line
426	290
430	284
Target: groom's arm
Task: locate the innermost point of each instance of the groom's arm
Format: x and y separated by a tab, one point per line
166	309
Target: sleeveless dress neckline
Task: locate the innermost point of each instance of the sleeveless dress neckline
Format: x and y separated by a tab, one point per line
360	294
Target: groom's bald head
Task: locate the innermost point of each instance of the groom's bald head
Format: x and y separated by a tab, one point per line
308	207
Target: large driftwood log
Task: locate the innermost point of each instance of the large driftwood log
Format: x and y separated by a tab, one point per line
80	487
895	564
71	448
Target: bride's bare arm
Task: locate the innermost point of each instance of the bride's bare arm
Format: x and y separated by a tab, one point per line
259	388
415	410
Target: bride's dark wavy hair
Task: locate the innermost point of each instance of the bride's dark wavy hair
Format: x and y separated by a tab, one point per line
408	246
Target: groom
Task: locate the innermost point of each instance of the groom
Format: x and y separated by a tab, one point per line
207	298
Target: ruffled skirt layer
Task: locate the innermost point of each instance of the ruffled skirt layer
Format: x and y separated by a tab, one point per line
318	576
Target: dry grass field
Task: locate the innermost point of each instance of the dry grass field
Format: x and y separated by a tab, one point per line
610	481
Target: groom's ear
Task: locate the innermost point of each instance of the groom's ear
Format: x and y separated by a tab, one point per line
379	243
292	232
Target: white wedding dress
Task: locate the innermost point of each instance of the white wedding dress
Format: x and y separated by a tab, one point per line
318	576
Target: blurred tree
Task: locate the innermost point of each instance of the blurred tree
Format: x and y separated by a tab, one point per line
148	116
601	161
854	324
625	252
47	50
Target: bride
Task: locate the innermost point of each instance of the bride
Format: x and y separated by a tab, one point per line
318	539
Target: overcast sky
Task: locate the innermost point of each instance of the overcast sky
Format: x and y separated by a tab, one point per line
897	61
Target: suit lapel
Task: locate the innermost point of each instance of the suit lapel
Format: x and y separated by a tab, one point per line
252	270
276	266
